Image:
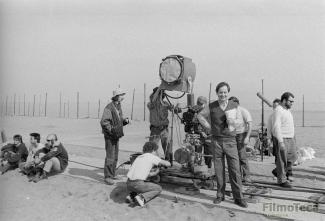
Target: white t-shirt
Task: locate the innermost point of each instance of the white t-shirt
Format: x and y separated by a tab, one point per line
142	165
243	118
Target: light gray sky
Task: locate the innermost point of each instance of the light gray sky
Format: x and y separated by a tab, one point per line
91	46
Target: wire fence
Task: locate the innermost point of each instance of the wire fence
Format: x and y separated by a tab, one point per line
78	106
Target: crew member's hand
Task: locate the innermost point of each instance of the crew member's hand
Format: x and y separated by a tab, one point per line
246	140
269	142
37	161
204	135
282	146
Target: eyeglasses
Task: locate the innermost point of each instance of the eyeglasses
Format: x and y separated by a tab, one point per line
291	101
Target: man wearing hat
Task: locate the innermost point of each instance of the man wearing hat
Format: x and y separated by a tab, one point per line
112	123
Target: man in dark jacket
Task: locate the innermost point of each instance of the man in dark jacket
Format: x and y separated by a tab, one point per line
112	123
53	158
13	154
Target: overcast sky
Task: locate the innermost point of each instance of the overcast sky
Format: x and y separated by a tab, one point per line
92	46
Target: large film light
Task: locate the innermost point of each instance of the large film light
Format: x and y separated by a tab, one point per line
177	73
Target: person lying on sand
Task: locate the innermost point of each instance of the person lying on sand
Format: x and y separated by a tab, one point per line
55	158
141	190
13	154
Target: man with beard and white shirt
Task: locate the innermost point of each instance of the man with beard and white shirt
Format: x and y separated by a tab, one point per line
286	151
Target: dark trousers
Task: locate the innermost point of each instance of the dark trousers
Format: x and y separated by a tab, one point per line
226	147
285	158
148	190
159	133
208	150
111	147
243	162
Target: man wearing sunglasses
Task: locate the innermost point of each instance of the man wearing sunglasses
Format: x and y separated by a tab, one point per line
286	151
53	158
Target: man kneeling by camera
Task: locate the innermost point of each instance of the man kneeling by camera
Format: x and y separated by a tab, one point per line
141	190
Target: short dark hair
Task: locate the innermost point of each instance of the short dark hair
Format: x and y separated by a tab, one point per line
150	147
221	84
286	95
36	136
234	99
18	137
276	100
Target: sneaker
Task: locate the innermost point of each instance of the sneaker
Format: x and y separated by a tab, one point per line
274	172
140	200
109	181
247	180
241	203
290	178
218	199
286	184
128	199
39	177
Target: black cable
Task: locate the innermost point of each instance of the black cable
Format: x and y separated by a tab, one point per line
167	95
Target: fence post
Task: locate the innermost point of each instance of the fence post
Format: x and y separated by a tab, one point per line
68	109
39	105
98	108
144	102
7	105
77	105
18	105
60	104
14	104
45	106
88	110
132	104
34	105
210	92
24	104
303	110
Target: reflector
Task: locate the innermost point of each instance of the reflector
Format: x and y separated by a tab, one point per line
170	70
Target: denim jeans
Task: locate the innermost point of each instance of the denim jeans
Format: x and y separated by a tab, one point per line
243	162
226	147
112	148
285	158
148	190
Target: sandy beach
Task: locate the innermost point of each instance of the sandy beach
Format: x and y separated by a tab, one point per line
80	193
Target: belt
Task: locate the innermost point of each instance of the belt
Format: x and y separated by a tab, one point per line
162	127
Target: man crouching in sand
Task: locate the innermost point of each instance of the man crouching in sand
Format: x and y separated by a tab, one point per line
141	190
53	158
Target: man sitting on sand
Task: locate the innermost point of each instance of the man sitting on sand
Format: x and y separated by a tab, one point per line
54	160
13	154
141	190
35	145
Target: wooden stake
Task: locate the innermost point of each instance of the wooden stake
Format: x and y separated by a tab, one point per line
45	105
303	110
39	105
98	108
77	105
144	102
210	92
6	105
132	104
34	105
60	104
14	104
24	104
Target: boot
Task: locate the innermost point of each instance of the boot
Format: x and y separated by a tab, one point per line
40	176
5	168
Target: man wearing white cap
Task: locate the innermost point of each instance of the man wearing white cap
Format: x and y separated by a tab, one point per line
112	123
